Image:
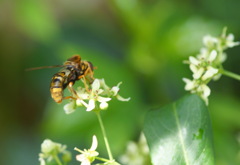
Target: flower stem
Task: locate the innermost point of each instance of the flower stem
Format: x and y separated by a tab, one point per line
57	160
230	74
104	135
112	162
102	159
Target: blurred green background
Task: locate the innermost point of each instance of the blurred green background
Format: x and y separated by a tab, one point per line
139	42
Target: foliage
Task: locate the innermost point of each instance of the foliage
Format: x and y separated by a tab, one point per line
180	133
141	43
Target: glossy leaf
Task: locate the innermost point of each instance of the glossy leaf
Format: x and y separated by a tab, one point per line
180	133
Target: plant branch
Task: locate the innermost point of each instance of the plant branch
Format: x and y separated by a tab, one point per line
57	160
230	74
104	135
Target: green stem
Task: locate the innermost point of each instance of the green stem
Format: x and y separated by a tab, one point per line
102	159
108	161
230	74
104	136
57	160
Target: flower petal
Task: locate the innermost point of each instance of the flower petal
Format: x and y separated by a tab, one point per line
48	146
103	105
120	98
94	143
193	60
103	84
209	73
80	157
189	84
95	85
115	90
103	99
91	105
193	68
80	102
84	159
70	107
42	161
209	41
198	74
212	56
206	90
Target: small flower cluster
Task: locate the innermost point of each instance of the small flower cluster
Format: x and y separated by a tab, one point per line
207	65
97	96
137	153
50	152
88	156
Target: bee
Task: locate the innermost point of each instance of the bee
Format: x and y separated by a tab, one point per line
72	70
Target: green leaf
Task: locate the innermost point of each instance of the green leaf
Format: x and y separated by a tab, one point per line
180	133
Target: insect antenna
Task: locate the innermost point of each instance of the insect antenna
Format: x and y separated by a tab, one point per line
44	67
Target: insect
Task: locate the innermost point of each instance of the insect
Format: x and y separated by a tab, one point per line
72	70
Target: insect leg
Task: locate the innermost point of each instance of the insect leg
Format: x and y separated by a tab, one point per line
69	97
71	89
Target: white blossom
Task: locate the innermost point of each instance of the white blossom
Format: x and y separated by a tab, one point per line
88	156
116	89
49	146
198	73
50	150
206	90
212	56
97	97
194	61
206	65
210	41
69	108
209	73
120	98
223	57
42	161
137	153
193	68
189	84
229	41
103	105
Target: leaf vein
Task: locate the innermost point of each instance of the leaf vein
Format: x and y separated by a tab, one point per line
180	134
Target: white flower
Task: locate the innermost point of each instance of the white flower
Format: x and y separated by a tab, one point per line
70	107
203	54
42	161
96	97
212	56
210	41
103	105
193	60
137	153
49	146
189	84
205	66
120	98
96	85
116	89
91	105
193	68
198	73
88	156
223	57
49	151
205	92
229	41
211	71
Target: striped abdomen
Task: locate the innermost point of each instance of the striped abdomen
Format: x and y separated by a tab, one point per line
58	84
